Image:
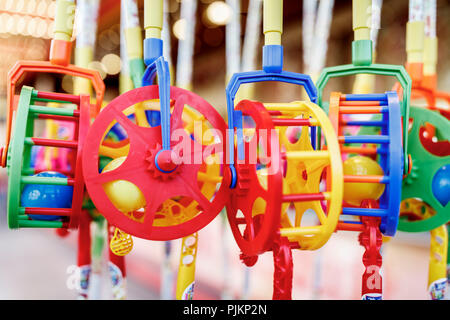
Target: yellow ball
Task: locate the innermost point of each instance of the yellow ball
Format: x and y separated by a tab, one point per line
355	193
125	196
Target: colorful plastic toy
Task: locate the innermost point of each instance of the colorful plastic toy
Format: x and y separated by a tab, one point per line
19	154
149	163
376	216
426	126
258	198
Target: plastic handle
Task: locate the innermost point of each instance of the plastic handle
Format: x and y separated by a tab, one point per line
153	18
362	19
61	46
273	21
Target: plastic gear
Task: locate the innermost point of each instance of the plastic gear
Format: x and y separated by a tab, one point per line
158	174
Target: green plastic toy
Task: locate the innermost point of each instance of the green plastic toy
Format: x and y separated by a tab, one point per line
425	165
20	170
362	63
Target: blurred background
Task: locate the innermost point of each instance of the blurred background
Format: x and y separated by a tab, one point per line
35	264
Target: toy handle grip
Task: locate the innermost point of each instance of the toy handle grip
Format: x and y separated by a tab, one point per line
272	21
61	45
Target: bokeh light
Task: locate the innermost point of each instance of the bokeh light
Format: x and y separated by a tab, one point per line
219	13
112	63
100	67
179	29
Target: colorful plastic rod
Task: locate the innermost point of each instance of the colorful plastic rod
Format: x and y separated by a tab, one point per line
414	209
362	63
186	270
46	211
60	53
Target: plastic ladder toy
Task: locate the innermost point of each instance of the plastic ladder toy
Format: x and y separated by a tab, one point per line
387	148
380	209
19	170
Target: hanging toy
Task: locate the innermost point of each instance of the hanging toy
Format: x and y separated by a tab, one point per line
373	163
151	162
265	176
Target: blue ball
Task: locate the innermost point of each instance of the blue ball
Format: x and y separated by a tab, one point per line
46	196
441	185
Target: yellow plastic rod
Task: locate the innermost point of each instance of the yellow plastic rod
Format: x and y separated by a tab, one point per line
273	21
415	41
186	269
430	56
133	38
64	20
437	272
362	19
153	18
83	57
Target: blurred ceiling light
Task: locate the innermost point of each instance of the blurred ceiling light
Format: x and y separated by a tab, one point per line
112	63
41	8
20	4
31	6
22	25
51	9
10	24
41	29
179	29
9	5
219	13
100	67
50	30
32	25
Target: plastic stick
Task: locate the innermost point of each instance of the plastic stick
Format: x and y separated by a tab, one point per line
233	39
186	45
308	26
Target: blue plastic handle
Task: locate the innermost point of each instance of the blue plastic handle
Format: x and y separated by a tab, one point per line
160	67
272	71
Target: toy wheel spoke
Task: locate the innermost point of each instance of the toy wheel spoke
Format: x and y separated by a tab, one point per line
196	194
177	113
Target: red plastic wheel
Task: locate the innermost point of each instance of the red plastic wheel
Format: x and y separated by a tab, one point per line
139	167
254	230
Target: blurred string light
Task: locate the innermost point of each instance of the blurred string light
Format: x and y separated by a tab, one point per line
28	18
179	29
112	63
218	13
100	67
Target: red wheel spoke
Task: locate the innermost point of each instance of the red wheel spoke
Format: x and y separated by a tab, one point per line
124	171
196	194
131	128
176	118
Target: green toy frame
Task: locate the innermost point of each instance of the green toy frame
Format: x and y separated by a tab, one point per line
362	64
425	165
